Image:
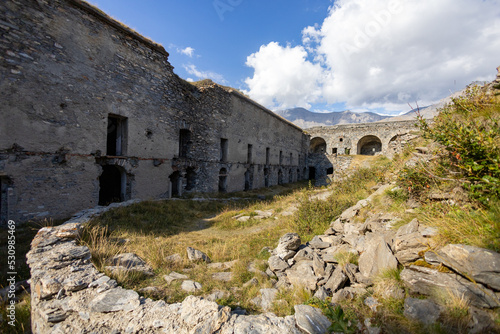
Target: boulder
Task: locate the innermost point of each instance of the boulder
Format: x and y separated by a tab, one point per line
321	293
481	264
129	262
317	243
302	274
288	242
409	228
427	281
376	258
310	320
305	253
115	300
337	280
195	255
191	286
267	298
422	310
318	265
276	264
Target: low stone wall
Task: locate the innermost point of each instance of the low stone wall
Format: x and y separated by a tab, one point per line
69	295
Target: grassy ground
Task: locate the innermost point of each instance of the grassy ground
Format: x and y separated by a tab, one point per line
155	230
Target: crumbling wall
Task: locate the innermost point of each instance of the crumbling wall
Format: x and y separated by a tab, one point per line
69	295
72	78
343	141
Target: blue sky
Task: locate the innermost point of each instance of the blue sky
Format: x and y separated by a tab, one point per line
362	55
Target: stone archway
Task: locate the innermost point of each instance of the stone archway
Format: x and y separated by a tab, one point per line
318	145
369	145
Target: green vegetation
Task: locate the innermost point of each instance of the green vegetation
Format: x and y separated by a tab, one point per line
469	131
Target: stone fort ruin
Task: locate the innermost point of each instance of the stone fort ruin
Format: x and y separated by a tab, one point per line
92	113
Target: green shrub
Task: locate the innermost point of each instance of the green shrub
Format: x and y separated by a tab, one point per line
469	131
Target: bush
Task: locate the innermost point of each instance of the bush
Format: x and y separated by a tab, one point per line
469	131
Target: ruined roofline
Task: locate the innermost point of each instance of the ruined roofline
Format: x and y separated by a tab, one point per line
356	125
241	96
99	14
96	12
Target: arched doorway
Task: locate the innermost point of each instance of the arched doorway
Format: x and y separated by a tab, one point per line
112	185
369	145
223	180
318	145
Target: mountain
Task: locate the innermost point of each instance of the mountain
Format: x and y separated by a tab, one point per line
308	119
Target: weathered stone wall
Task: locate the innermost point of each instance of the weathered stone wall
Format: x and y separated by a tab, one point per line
66	68
332	146
69	295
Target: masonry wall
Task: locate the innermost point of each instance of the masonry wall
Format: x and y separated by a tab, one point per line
332	146
66	68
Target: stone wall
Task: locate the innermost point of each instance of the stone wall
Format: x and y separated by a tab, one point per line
333	146
69	295
92	112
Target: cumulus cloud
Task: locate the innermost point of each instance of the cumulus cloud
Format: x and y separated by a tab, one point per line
193	70
379	54
283	76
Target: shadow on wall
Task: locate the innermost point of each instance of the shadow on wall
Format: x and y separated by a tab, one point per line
320	166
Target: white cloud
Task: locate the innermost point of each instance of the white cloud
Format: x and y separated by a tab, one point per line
191	69
382	54
283	77
189	51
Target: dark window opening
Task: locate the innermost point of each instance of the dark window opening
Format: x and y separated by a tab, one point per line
190	179
291	158
5	184
175	184
268	153
334	150
312	173
116	140
184	143
223	180
341	139
318	145
280	177
223	149
329	171
249	154
266	177
248	180
112	185
281	157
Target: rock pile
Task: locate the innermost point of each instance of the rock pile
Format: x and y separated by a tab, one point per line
69	295
320	265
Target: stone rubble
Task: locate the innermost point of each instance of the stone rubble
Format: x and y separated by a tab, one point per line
69	294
